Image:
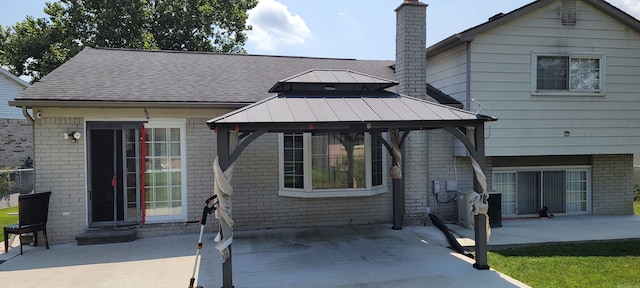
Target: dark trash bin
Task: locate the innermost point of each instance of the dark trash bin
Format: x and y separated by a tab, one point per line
495	210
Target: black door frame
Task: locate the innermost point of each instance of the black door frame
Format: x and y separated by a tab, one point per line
119	171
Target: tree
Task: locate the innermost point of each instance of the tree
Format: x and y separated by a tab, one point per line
31	48
35	47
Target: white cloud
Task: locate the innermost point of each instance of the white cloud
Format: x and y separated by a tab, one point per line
630	6
274	25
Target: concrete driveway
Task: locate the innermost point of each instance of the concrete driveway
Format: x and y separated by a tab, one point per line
350	256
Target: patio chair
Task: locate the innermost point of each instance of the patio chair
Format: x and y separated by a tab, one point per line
33	210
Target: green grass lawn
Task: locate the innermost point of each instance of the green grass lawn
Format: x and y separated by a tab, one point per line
600	264
636	207
6	219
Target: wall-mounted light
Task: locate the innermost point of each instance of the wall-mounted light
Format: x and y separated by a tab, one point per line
73	136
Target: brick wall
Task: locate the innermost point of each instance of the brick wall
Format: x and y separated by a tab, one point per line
411	58
428	158
415	174
258	206
17	142
612	184
60	168
444	167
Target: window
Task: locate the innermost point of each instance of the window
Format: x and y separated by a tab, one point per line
165	184
526	190
505	183
331	165
577	74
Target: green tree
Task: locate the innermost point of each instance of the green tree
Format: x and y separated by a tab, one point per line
35	47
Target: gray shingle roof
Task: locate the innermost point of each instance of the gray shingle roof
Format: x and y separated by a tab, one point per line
122	75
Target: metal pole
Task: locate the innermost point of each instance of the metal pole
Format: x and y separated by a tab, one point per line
223	160
481	242
397	205
227	274
480	219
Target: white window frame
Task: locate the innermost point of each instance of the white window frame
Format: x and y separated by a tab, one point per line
309	192
568	92
182	125
585	168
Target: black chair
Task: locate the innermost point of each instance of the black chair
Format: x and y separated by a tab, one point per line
33	210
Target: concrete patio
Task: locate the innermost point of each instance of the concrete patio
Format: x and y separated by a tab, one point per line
348	256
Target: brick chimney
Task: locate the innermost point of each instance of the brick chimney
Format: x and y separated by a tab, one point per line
411	41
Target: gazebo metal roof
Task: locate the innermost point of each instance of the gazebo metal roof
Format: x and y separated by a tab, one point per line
332	80
353	101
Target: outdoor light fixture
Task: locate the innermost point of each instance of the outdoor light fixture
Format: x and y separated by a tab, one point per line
73	136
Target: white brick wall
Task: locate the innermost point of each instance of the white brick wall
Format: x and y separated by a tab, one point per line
612	188
411	61
60	168
428	158
258	206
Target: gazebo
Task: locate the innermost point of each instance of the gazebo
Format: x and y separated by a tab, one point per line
318	101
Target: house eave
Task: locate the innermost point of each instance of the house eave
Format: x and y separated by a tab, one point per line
15	78
469	34
132	104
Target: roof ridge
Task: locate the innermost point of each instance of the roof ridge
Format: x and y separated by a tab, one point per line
227	54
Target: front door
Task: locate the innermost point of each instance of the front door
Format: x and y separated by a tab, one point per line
115	173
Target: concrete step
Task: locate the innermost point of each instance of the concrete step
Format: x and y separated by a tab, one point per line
106	236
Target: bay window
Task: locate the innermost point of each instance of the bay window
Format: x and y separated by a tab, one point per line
338	164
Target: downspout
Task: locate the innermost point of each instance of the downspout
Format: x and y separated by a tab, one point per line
27	115
468	77
427	175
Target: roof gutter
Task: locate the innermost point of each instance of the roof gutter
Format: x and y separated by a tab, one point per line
26	104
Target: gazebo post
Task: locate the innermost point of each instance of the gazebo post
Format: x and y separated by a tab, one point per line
398	192
476	147
224	160
397	205
480	221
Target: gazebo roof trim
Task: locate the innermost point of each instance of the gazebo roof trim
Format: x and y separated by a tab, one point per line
376	109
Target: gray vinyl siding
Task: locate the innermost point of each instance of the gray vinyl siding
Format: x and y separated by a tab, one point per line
448	72
535	125
8	90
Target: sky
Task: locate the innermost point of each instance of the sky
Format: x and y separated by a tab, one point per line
361	29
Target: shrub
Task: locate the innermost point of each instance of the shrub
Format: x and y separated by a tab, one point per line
6	185
636	192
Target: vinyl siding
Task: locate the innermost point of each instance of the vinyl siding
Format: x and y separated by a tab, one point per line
448	72
8	90
535	125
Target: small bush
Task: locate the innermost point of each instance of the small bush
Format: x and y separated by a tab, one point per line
6	185
636	192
